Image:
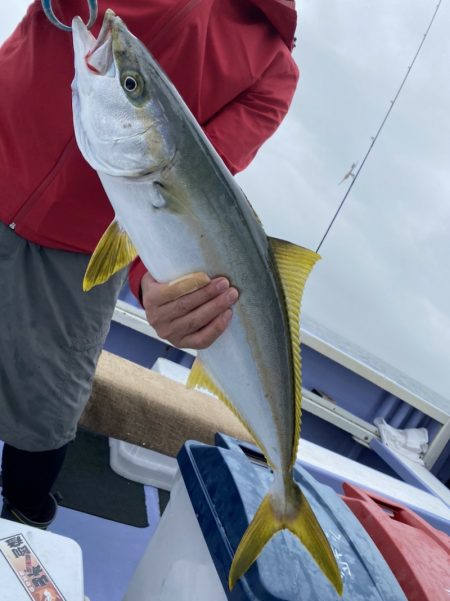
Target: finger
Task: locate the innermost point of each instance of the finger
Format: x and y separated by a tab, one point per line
183	285
198	318
204	337
157	294
189	302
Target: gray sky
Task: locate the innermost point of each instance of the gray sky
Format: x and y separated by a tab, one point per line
384	279
383	282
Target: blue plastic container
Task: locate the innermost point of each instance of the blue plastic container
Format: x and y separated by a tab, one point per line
226	486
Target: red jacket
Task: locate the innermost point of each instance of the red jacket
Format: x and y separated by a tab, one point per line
230	60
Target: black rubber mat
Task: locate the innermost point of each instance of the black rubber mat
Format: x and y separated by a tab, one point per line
164	498
88	484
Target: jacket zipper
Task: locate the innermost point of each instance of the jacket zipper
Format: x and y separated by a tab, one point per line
35	195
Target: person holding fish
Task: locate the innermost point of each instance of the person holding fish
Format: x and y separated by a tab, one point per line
231	62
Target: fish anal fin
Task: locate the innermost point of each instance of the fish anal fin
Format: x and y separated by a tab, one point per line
113	252
199	378
294	264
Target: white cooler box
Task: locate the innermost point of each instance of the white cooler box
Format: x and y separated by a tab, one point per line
176	565
38	565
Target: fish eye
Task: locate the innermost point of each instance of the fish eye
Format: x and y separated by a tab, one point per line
132	83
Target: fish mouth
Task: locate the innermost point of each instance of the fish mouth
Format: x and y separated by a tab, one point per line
95	54
104	117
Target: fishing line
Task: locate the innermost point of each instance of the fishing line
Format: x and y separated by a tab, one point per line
374	139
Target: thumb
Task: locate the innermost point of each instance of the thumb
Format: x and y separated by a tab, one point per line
181	286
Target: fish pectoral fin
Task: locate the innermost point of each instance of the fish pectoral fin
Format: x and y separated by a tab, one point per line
294	264
113	252
301	522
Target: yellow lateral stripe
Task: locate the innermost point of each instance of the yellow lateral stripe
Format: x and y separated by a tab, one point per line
294	265
199	378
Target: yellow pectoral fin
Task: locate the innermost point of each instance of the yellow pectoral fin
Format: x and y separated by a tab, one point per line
113	252
294	264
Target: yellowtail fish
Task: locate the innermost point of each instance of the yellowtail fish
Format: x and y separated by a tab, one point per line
177	205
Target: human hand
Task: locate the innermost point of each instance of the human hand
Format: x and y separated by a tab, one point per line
190	312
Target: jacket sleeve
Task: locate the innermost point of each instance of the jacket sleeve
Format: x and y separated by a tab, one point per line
242	126
135	275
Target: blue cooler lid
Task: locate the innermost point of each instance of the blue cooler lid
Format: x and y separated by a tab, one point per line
226	484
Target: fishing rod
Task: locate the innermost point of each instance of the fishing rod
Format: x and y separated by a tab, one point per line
50	14
375	138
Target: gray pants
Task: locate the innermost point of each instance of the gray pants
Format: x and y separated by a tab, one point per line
51	335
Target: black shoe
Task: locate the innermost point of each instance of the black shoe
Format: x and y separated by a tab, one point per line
15	515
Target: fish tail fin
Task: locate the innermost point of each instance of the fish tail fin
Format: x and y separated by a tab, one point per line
260	530
306	527
299	519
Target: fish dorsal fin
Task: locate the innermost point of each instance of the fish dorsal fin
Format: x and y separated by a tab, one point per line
199	378
113	252
294	265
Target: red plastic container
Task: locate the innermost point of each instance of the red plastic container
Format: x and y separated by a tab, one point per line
417	553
